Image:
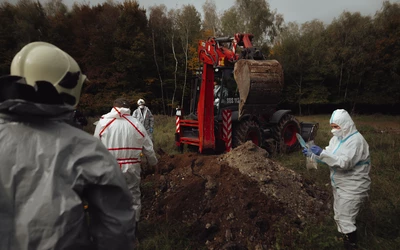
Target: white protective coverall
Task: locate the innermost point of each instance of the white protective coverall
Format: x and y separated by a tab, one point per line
48	168
146	118
349	161
126	138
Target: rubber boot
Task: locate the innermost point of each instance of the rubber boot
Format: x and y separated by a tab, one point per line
350	241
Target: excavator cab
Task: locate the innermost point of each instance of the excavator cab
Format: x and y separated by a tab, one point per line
226	92
225	96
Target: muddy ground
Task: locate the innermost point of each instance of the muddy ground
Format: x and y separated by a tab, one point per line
238	200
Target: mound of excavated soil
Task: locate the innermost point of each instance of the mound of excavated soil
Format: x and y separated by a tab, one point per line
239	200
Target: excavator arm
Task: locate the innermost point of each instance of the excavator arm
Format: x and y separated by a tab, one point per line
218	52
222	51
205	109
214	53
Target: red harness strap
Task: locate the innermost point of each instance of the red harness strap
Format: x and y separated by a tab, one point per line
133	125
108	124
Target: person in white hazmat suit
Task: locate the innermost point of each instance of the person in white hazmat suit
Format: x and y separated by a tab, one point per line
144	115
50	169
126	138
348	157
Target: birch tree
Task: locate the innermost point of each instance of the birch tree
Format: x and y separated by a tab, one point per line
211	20
158	23
188	24
172	15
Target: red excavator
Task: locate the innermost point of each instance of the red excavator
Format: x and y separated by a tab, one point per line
251	90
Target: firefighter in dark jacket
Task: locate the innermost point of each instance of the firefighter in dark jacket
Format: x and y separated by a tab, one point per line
48	168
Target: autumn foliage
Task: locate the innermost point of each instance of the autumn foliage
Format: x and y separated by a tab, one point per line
131	52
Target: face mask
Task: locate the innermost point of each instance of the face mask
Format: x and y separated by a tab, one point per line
337	132
141	106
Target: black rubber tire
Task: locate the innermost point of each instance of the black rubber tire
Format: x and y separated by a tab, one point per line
245	131
284	134
180	148
193	148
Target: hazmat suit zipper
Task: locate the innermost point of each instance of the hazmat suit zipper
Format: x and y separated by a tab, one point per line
334	170
345	139
332	179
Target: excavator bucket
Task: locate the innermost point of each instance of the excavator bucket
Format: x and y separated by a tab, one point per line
260	84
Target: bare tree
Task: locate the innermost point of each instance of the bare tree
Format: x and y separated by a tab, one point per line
157	25
172	17
188	22
211	20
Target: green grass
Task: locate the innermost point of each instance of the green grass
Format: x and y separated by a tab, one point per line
164	134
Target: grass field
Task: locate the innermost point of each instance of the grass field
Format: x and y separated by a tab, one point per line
379	221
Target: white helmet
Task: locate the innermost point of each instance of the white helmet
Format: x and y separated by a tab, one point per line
140	102
40	61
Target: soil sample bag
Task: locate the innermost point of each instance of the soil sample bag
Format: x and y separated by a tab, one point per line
310	163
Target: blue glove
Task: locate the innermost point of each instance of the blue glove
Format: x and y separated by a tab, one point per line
307	152
316	150
151	130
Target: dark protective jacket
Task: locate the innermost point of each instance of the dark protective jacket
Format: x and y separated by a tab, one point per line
146	118
48	168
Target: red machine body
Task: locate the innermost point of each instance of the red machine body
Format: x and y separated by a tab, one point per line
254	86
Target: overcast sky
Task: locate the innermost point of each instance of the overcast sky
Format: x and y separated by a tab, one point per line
293	10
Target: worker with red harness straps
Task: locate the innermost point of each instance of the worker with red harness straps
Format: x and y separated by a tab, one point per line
126	138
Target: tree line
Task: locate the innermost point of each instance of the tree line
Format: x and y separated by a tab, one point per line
129	52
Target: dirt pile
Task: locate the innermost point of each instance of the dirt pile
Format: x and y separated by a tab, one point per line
239	200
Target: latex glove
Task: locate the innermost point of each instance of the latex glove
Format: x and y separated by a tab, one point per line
307	152
316	150
151	130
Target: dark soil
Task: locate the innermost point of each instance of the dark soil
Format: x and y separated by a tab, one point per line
238	200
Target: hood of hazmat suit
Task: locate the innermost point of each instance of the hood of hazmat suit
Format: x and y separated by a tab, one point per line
348	158
48	170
